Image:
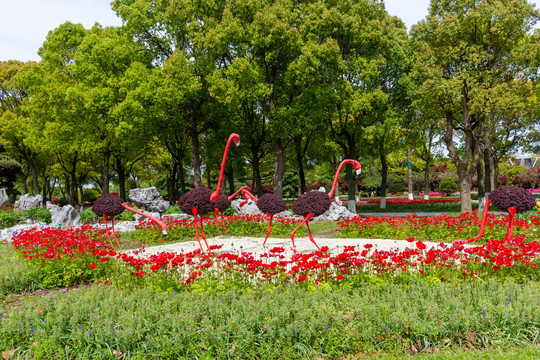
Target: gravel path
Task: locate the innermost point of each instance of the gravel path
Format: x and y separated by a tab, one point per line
303	245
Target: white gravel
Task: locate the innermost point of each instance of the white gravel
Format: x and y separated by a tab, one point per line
303	245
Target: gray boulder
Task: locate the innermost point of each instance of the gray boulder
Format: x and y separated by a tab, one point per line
148	199
3	198
26	202
250	208
335	213
177	216
64	217
8	233
138	217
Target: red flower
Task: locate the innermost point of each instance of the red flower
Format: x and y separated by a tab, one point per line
339	277
420	245
368	246
302	278
92	266
410	239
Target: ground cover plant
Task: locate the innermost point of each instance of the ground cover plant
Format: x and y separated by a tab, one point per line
282	323
427	298
416	205
437	228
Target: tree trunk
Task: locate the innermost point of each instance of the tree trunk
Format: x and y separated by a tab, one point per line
481	188
24	178
300	164
352	183
74	189
33	170
256	164
464	188
121	179
105	173
489	171
181	175
230	180
384	176
427	184
280	167
409	174
195	159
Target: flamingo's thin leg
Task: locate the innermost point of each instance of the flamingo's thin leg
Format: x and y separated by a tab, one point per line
271	216
114	233
510	234
202	232
309	232
194	211
223	223
159	222
107	231
482	228
216	212
306	218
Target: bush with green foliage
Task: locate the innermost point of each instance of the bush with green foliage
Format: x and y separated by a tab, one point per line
448	186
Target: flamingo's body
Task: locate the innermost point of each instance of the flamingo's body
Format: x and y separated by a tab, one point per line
201	200
221	204
507	198
270	204
315	203
109	206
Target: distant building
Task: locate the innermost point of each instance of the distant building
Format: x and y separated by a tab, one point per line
529	161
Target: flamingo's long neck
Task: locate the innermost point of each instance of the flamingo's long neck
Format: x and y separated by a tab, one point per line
238	191
331	193
215	194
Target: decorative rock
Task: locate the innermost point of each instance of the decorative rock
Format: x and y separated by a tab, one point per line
64	217
177	216
6	234
26	202
125	226
138	217
3	198
250	208
285	213
148	199
335	213
322	189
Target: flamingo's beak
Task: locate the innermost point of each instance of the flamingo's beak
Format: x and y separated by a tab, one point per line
164	232
358	172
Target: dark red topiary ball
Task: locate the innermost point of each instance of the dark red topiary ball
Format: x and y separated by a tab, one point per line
199	198
109	204
222	202
506	196
315	202
271	204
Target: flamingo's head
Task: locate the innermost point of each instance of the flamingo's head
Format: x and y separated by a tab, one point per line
236	138
357	167
458	243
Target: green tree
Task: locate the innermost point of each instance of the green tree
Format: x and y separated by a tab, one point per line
468	62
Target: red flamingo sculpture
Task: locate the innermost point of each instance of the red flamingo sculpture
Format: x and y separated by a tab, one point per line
269	204
110	205
221	204
507	198
200	200
315	203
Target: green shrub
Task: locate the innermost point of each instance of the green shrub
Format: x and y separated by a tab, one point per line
90	195
448	186
88	216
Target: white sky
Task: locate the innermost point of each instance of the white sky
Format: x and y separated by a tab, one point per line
25	23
